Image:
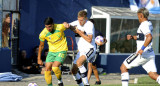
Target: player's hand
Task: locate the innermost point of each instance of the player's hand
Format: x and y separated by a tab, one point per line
66	25
129	37
105	40
140	52
40	62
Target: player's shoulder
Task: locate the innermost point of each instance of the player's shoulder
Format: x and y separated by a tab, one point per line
146	23
74	22
89	23
44	32
58	26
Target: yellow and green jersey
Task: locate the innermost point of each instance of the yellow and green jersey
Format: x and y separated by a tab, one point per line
56	39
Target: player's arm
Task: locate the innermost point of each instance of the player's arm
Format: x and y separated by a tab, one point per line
68	26
148	40
146	43
88	38
41	46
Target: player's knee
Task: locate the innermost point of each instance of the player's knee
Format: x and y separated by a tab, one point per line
79	63
94	67
123	68
48	69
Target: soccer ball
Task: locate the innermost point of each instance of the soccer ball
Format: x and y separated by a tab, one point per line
32	84
99	39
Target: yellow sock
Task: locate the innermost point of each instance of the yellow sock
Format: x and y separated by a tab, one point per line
48	77
57	72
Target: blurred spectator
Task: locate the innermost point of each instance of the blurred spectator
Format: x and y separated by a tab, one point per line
34	59
5	30
35	55
26	65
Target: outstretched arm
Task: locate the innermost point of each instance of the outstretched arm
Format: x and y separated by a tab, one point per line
68	26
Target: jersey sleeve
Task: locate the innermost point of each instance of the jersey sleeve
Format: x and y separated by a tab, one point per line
74	23
42	36
146	29
61	27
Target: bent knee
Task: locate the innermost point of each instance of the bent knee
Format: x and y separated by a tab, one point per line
79	63
123	68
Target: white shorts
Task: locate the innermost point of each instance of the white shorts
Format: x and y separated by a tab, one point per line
90	53
147	60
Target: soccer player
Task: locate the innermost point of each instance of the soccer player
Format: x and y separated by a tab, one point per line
91	62
144	55
86	47
54	34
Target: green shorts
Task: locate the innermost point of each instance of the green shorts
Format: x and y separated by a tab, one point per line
56	56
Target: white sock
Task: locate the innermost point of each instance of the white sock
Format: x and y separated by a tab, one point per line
78	79
83	72
158	80
125	78
60	81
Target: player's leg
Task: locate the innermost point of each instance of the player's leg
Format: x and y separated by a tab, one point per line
59	59
82	69
129	62
154	76
76	75
95	71
151	69
57	72
47	73
89	71
124	75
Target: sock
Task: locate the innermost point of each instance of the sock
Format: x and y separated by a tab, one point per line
78	79
158	80
57	72
83	72
48	78
125	78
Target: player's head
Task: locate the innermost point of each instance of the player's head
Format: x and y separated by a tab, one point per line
82	17
142	14
49	24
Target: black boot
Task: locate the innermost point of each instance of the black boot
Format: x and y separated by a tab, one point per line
98	83
60	84
86	85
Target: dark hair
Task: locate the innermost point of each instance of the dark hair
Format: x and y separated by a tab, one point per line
7	15
91	20
144	11
48	21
